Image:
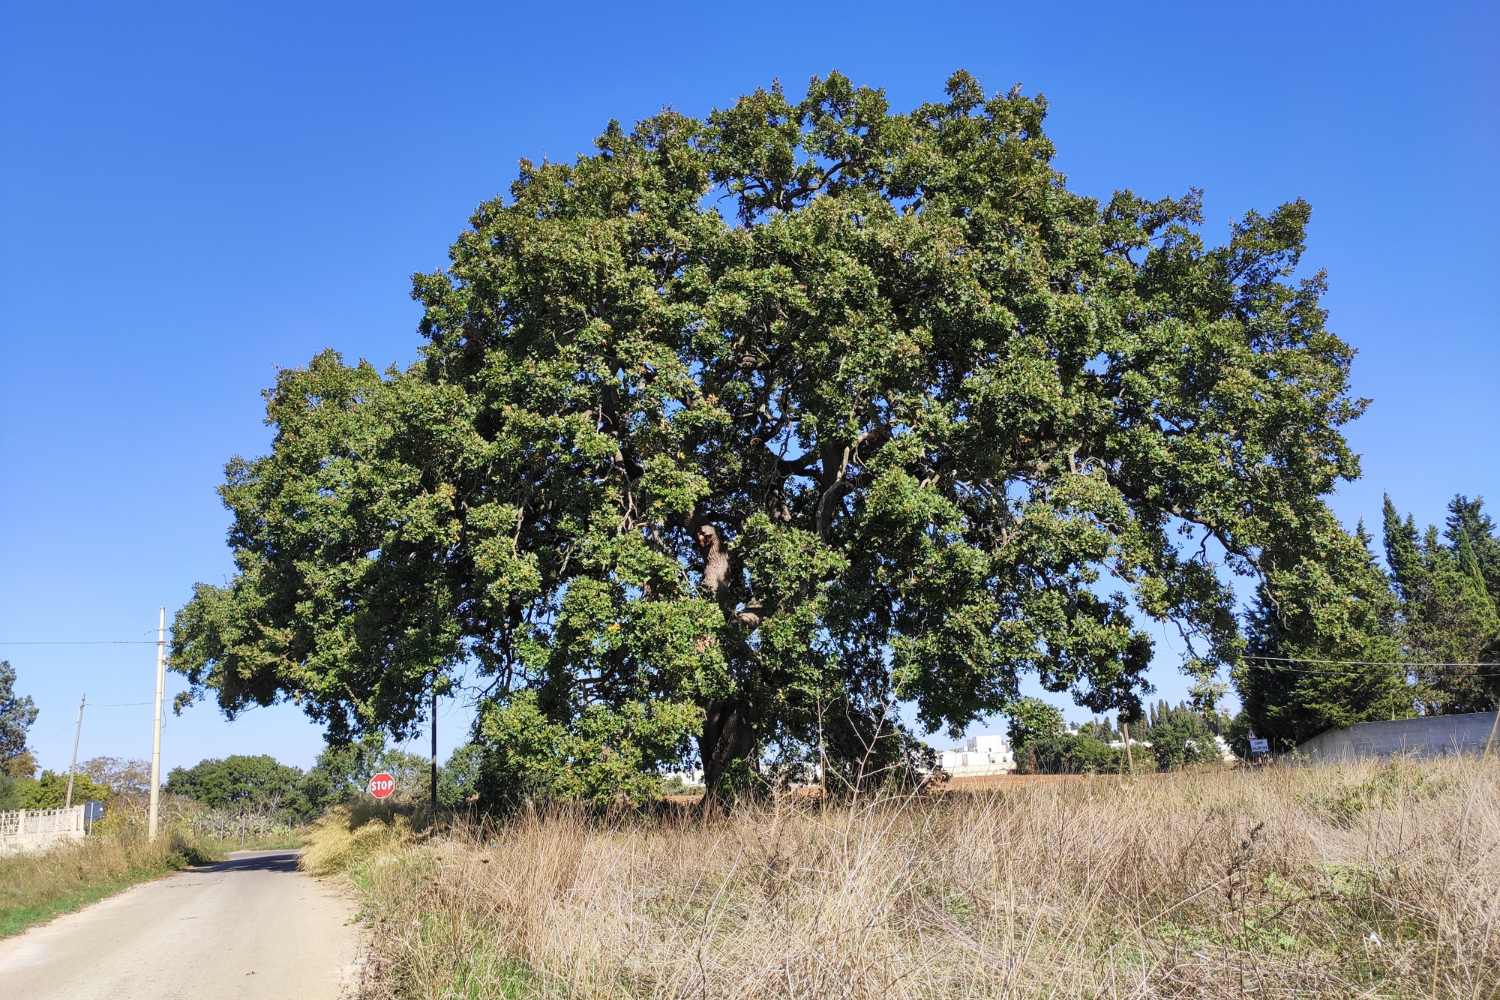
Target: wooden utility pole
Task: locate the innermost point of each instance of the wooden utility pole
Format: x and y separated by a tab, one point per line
161	683
73	764
1129	760
432	790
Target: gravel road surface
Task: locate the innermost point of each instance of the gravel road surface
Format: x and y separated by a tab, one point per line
250	928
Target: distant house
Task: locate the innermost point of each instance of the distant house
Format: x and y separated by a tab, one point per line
1427	736
990	754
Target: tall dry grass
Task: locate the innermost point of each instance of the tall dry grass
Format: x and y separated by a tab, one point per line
1376	880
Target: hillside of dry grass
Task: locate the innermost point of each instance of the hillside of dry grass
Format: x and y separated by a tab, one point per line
1370	880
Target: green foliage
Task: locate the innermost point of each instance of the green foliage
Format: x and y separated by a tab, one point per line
258	784
1338	608
10	792
50	791
1031	721
1182	740
606	757
1438	606
17	713
460	775
22	765
877	440
343	770
1043	744
1448	604
1467	523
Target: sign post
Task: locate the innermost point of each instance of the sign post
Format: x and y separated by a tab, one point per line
382	785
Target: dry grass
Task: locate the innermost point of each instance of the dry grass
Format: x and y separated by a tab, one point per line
1332	882
347	837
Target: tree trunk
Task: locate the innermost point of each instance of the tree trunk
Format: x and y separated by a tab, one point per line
727	739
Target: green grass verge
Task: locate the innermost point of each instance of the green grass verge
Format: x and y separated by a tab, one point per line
19	918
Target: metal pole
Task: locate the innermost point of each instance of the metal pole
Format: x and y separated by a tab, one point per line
161	683
73	764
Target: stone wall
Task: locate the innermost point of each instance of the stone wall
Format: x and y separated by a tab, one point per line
39	829
1428	736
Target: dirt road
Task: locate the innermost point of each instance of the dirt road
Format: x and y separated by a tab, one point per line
251	928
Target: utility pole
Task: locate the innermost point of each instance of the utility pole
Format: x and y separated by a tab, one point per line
161	683
433	785
73	764
1129	761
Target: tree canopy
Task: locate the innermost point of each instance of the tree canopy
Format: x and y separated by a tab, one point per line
50	791
1449	592
250	784
1415	637
342	771
17	713
738	432
129	779
1181	740
1043	744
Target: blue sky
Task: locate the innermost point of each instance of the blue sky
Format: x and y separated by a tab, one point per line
194	195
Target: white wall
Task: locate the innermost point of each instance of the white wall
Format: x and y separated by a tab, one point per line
37	830
1428	736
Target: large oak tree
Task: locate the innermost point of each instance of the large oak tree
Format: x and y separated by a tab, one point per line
742	430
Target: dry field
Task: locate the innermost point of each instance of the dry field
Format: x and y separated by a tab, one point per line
992	782
1357	881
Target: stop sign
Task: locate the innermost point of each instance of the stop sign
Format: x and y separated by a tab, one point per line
382	785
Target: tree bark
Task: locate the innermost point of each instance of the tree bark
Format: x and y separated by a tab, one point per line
728	737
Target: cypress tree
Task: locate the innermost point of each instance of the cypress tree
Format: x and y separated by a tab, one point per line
1342	608
1448	614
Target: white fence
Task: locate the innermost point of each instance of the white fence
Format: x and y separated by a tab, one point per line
39	829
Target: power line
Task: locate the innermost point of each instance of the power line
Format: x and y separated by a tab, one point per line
1370	663
77	642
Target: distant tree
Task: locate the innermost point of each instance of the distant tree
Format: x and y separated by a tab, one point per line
1449	614
1182	740
124	778
460	776
1100	729
17	713
343	770
1468	520
1042	743
15	772
1086	754
1339	608
50	791
22	765
249	784
1032	721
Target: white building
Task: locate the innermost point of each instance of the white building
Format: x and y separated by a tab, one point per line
988	754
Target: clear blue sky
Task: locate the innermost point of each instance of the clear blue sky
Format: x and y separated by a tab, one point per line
192	195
